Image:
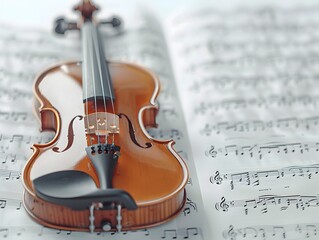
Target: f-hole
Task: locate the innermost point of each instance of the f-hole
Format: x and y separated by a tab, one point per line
70	136
132	133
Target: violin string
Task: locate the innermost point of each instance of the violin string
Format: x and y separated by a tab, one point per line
112	102
94	90
85	74
97	52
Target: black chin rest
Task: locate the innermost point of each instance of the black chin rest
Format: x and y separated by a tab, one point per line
77	190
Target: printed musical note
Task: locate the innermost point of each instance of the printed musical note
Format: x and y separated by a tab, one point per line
146	232
191	232
15	94
60	232
289	231
169	234
165	134
266	177
264	202
247	127
274	101
3	203
20	139
190	206
12	161
232	81
16	117
9	175
4	232
250	231
10	203
40	231
311	230
259	150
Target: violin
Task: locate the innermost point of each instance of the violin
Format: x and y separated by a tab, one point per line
101	171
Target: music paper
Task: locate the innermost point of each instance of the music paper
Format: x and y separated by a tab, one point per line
247	78
238	95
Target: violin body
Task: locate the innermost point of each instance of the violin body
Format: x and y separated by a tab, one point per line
148	169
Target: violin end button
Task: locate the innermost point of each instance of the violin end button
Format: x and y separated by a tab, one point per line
106	226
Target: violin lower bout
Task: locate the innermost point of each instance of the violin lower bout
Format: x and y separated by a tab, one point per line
69	219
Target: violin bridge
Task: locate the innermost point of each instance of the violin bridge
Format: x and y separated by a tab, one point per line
101	123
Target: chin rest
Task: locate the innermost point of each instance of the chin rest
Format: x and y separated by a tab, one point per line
77	190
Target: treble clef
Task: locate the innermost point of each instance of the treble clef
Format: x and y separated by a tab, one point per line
211	152
216	179
230	233
222	205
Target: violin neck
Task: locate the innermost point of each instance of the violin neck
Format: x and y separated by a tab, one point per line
96	79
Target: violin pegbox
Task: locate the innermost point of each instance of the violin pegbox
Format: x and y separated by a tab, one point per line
87	9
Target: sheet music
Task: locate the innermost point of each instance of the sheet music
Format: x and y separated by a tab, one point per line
25	52
247	78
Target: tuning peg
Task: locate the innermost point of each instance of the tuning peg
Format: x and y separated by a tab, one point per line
115	22
62	25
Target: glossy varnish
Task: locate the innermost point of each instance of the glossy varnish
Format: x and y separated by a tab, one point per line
155	176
